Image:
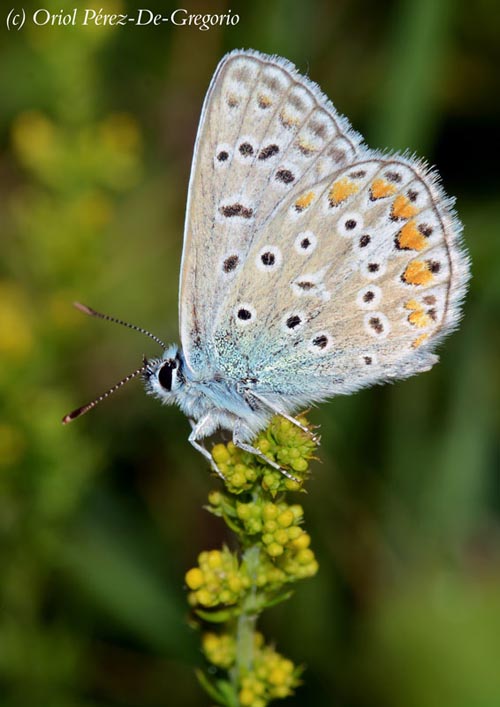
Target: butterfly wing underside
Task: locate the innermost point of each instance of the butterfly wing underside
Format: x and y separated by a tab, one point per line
312	265
247	130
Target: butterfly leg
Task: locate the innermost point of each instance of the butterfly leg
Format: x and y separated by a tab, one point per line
201	429
277	411
238	433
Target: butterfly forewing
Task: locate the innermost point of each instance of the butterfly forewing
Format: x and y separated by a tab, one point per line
312	265
265	131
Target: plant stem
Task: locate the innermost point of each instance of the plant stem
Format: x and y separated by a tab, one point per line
247	620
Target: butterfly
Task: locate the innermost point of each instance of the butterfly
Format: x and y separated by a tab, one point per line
312	265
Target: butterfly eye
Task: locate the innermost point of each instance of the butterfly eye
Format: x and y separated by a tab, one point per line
165	375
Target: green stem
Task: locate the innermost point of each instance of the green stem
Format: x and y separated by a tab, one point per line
247	620
245	629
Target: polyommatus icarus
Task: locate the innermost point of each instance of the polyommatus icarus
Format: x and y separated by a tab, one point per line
312	265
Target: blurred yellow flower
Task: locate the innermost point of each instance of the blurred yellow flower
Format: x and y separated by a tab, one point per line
33	137
92	210
119	132
16	338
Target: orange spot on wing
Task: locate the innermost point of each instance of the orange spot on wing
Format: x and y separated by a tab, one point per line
340	190
410	238
412	304
287	120
417	273
304	201
420	340
402	208
418	317
306	147
380	188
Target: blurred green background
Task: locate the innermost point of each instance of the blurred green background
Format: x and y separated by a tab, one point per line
100	520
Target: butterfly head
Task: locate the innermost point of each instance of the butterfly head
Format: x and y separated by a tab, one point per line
164	376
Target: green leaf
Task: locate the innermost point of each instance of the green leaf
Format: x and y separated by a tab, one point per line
218	617
229	693
211	689
278	598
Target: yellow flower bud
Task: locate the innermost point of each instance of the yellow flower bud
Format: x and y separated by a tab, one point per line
225	597
277	676
210	641
220	453
214	498
238	479
264	445
204	598
270	511
305	556
270	526
246	697
275	550
214	559
302	542
281	536
194	578
286	518
299	464
243	510
251	474
234	583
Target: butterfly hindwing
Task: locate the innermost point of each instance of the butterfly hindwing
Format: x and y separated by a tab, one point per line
355	289
312	265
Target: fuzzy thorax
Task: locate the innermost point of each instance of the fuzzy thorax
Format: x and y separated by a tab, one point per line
223	403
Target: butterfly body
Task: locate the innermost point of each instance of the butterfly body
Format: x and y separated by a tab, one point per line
221	399
212	401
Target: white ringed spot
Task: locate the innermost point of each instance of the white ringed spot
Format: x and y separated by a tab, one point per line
369	297
244	314
377	325
305	243
321	342
269	258
350	224
373	268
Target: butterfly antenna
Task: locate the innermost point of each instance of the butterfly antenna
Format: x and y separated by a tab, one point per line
92	313
85	408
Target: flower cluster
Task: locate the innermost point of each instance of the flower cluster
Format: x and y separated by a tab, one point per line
218	579
272	675
284	443
219	649
232	588
277	527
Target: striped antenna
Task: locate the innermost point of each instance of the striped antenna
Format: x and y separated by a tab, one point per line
85	408
92	313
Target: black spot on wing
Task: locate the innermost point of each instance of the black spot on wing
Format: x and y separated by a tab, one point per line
236	210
